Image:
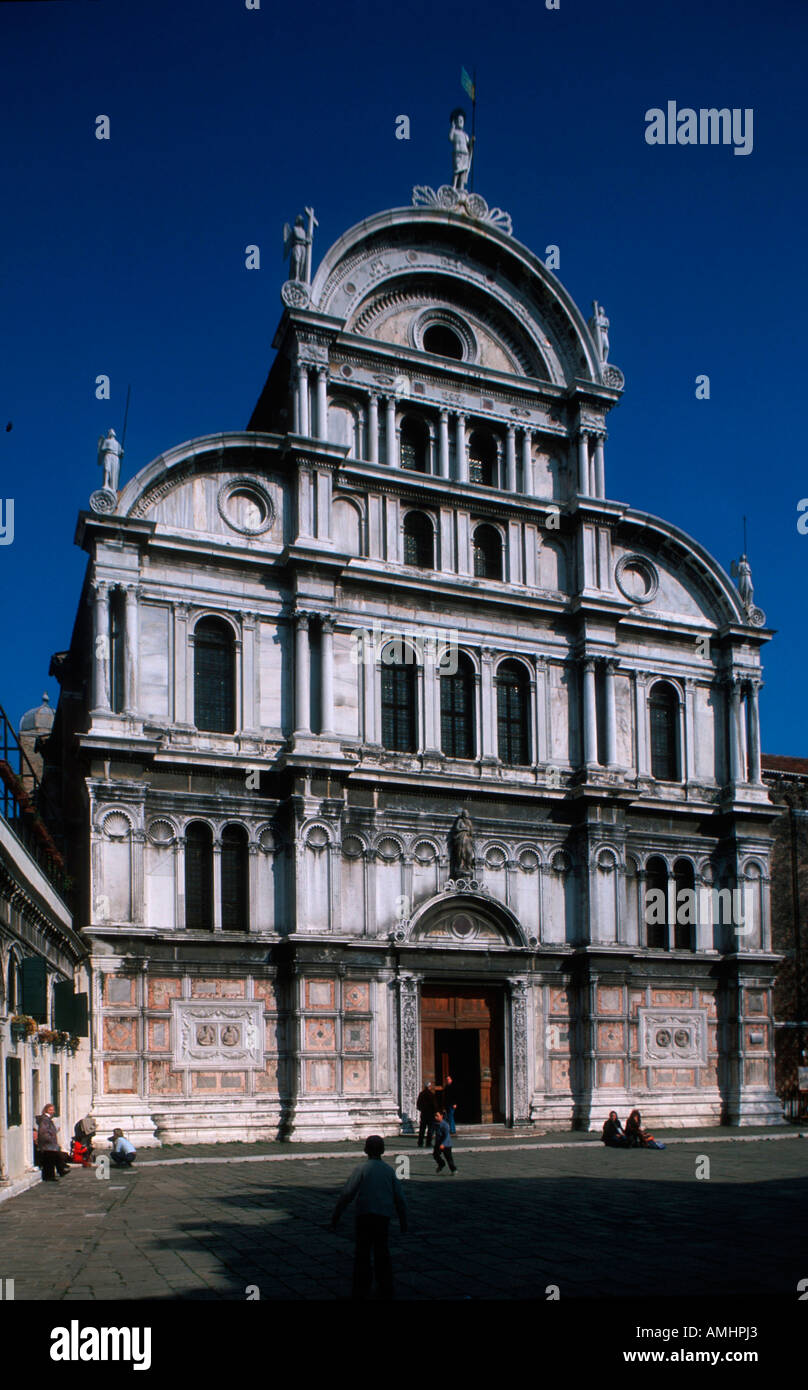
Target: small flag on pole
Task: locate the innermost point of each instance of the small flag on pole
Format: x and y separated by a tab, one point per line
467	84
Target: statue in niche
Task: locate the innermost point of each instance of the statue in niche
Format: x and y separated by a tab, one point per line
109	458
462	148
461	847
297	244
600	328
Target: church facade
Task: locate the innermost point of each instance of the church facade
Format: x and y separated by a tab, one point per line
393	746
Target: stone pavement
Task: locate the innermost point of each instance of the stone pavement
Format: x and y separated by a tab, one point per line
523	1213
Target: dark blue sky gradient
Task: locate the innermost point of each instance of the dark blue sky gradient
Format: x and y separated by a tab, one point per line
127	257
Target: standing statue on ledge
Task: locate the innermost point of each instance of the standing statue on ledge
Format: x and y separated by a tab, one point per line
297	244
462	149
742	571
461	847
600	328
110	454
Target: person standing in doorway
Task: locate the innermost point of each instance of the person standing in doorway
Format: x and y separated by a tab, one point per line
378	1193
449	1103
442	1152
425	1105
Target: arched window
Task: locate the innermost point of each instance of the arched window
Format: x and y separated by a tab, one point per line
117	615
214	676
487	553
684	927
656	906
513	709
235	879
199	877
399	710
663	721
457	711
414	444
483	467
419	541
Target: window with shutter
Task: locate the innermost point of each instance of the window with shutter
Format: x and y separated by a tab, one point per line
457	711
199	877
513	702
13	1091
399	708
663	710
214	676
235	879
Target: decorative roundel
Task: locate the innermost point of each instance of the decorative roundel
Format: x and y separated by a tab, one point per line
103	501
682	1037
350	287
636	578
663	1038
295	294
246	506
345	369
352	847
116	825
161	832
463	926
389	850
456	326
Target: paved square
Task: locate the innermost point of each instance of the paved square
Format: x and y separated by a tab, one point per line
594	1222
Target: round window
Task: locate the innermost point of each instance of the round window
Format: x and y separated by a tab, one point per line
443	341
246	506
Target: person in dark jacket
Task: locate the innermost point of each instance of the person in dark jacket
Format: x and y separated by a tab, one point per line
613	1136
449	1103
425	1105
442	1152
378	1193
49	1150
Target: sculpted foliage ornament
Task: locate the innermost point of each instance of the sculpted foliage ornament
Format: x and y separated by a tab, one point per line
459	200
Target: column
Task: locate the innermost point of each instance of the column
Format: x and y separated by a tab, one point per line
590	729
488	740
520	1089
305	507
101	646
248	627
373	428
302	701
431	722
690	728
327	674
611	714
181	715
460	449
409	1042
641	722
302	398
510	459
138	895
753	712
217	884
734	712
600	471
541	723
583	463
322	402
130	650
392	441
253	919
443	453
527	463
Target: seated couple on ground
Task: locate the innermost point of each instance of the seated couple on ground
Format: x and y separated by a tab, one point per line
632	1137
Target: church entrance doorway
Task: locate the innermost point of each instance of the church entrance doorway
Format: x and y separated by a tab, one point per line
462	1036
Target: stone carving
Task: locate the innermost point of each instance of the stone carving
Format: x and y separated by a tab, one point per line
742	571
599	325
297	244
295	295
408	1042
462	148
673	1038
458	200
461	847
110	454
217	1034
519	1048
612	376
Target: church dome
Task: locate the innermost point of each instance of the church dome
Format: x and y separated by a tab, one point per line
39	720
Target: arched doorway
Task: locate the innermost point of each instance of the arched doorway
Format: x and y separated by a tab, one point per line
463	1036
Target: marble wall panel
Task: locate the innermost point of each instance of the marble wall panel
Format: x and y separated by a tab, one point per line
155	649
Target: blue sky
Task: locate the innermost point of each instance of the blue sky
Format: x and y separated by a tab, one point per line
126	256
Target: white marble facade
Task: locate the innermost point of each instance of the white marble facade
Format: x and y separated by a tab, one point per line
439	380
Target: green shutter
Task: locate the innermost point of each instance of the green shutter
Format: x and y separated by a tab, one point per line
35	988
63	1006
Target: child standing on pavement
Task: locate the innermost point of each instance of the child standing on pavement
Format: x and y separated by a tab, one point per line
442	1152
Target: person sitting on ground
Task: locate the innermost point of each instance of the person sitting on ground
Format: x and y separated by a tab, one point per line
637	1137
613	1136
82	1146
123	1150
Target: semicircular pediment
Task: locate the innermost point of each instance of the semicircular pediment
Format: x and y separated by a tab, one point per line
465	920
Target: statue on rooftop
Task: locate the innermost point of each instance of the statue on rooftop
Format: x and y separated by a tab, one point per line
600	328
110	454
297	244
